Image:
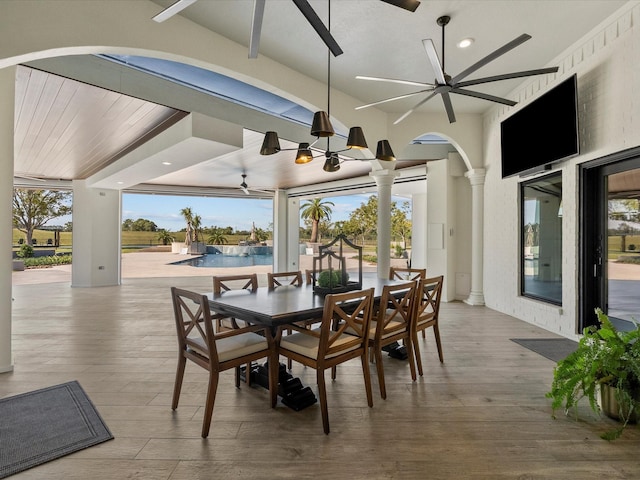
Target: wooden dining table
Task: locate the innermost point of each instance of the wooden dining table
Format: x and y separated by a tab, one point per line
282	305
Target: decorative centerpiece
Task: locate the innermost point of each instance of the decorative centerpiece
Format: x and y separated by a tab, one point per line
330	268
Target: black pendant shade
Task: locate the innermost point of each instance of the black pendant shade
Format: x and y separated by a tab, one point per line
384	152
270	144
356	138
332	163
321	126
304	154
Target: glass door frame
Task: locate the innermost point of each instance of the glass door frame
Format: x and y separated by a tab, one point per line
593	227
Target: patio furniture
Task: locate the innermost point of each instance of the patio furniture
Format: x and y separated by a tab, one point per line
216	352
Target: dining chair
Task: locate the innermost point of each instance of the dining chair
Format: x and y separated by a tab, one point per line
393	324
275	280
216	352
427	313
308	275
325	347
399	273
225	283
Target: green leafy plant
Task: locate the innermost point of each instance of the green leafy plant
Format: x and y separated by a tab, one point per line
329	279
25	251
605	356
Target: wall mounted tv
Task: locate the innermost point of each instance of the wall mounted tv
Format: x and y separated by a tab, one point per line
543	132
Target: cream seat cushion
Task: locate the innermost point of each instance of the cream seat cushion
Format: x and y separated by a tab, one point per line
232	347
308	345
394	325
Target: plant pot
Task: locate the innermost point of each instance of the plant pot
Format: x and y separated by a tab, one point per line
610	406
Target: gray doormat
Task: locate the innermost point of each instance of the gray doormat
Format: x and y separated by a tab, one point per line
40	426
555	349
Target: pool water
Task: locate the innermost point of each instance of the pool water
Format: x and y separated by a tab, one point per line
219	260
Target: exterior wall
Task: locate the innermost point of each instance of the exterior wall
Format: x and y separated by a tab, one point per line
605	62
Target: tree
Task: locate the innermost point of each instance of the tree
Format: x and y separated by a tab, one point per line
364	219
187	213
400	224
316	210
164	236
217	236
34	208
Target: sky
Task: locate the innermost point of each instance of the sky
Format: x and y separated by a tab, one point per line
238	213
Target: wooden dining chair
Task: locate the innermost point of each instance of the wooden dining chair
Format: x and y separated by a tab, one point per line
308	275
216	352
399	273
324	347
427	313
275	280
225	283
393	324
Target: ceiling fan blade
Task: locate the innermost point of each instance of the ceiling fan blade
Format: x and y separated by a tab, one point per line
312	17
256	28
419	104
172	9
507	76
492	56
399	97
446	99
394	80
434	60
483	96
246	190
410	5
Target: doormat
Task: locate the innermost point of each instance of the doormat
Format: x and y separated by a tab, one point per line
555	349
40	426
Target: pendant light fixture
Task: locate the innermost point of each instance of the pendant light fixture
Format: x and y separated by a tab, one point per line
321	128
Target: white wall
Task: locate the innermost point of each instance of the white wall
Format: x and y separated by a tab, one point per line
606	62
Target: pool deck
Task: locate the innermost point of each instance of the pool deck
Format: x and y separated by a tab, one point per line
158	264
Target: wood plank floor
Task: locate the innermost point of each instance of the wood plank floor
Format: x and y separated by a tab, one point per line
481	415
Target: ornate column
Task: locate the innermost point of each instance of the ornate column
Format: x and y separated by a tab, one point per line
7	89
476	178
384	181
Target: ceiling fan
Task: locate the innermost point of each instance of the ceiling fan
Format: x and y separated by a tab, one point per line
304	7
445	84
245	188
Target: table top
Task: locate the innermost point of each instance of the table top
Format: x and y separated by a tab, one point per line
283	305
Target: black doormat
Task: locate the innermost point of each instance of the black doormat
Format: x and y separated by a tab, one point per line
555	349
40	426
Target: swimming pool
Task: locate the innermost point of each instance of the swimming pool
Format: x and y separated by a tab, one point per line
220	261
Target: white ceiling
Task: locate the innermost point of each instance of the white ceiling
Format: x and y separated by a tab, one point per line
378	40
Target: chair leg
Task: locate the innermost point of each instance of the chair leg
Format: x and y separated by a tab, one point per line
237	377
322	393
274	372
436	332
334	372
177	387
367	378
380	370
412	366
208	407
247	378
416	353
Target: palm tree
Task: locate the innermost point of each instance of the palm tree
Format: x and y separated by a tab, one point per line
187	213
196	222
164	236
316	210
217	238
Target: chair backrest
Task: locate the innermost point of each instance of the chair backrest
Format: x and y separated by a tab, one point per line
429	293
194	325
398	273
398	315
280	279
308	275
223	283
342	311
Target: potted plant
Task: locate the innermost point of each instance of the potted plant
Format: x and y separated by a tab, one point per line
606	363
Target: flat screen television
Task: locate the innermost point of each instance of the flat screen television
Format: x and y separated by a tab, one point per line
542	132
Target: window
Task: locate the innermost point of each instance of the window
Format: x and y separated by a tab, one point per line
541	239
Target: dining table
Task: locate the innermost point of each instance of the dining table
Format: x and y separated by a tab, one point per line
283	305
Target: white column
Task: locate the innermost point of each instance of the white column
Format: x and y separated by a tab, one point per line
384	181
96	236
476	178
7	93
293	234
280	232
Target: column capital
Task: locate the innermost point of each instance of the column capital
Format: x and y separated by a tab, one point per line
476	176
384	177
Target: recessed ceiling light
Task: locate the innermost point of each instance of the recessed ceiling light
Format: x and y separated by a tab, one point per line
166	163
465	42
120	183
